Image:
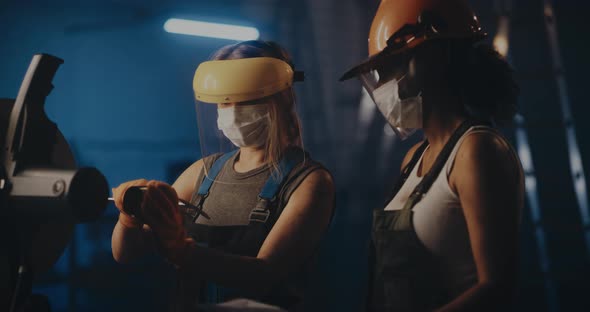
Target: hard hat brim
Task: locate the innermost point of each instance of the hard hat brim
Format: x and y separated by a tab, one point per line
375	61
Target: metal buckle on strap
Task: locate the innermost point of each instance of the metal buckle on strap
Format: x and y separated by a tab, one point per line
261	212
259	215
416	194
195	211
414	198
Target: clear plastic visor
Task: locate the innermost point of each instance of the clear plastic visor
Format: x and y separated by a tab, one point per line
371	82
224	129
236	129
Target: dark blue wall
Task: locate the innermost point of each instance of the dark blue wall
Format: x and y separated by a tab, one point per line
123	99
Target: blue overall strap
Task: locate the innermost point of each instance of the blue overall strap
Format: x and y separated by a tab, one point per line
276	179
210	176
271	188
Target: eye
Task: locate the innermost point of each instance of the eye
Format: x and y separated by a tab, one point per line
225	105
252	102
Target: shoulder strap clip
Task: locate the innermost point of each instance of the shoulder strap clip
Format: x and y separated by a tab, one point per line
273	185
260	213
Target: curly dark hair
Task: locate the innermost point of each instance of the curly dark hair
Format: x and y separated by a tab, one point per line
485	82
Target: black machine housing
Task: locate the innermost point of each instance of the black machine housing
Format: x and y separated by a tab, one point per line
43	193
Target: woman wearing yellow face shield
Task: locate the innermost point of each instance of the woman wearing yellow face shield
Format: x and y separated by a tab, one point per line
257	209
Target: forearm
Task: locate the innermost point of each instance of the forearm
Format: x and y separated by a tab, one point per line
229	270
128	243
481	297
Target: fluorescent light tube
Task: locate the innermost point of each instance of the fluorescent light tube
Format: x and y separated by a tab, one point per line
211	30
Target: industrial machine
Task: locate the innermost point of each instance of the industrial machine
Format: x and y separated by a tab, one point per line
43	193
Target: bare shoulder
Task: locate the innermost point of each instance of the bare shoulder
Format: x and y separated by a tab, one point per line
486	155
319	180
312	202
316	190
410	154
196	166
192	171
489	148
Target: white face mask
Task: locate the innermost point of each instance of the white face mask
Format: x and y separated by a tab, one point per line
403	114
244	125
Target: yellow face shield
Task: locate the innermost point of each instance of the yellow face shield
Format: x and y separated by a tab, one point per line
241	80
247	85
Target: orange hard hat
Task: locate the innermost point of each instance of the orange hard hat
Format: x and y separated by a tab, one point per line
401	25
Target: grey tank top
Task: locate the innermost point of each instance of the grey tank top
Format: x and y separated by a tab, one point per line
234	195
230	201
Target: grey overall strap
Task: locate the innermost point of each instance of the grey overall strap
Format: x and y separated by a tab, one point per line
407	170
438	165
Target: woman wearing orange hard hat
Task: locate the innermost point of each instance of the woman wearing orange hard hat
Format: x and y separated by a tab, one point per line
446	239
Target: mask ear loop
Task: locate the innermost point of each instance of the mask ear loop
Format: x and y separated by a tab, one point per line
389	82
402	78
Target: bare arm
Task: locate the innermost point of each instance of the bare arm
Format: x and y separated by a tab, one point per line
488	179
185	184
292	240
129	243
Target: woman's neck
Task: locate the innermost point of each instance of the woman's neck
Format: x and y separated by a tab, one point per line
250	158
439	125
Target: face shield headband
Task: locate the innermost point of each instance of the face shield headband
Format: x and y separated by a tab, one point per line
242	80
